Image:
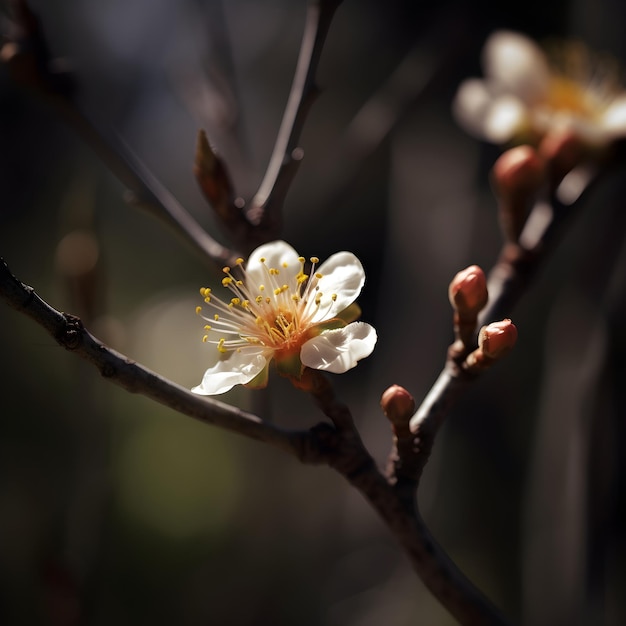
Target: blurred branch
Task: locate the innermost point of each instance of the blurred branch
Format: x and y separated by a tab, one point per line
265	209
29	63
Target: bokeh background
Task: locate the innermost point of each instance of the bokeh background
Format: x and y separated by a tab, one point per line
114	510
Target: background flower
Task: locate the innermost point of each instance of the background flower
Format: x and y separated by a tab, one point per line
527	93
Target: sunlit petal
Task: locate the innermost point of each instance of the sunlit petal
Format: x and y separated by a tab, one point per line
278	255
505	118
339	350
471	104
240	368
614	120
517	64
341	283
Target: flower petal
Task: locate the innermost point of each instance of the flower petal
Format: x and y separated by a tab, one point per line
278	255
240	368
471	104
343	277
614	118
339	350
516	65
506	117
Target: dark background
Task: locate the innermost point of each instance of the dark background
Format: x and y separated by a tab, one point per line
114	510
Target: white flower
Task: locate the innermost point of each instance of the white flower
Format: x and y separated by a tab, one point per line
526	94
277	311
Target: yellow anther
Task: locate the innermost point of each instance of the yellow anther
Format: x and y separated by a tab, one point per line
246	304
301	259
227	281
235	300
216	317
205	339
277	291
198	310
239	283
258	299
207	299
226	269
259	321
262	259
273	271
261	287
220	345
314	259
301	277
318	298
318	275
295	297
285	264
207	327
333	297
239	261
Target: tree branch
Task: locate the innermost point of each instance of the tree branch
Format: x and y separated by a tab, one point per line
29	63
70	333
265	209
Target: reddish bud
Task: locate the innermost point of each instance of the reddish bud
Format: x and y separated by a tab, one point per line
498	338
517	176
398	405
519	170
468	291
563	151
214	180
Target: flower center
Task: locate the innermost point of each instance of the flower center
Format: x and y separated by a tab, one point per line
582	82
272	313
568	95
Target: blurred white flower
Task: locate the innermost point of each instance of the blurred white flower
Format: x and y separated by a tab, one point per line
279	312
527	93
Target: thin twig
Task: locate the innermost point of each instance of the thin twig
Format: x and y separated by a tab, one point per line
69	332
265	208
30	63
508	281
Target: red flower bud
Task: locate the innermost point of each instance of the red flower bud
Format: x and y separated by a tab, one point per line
398	405
498	338
468	291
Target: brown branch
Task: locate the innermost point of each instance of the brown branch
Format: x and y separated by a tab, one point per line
265	208
508	281
70	333
338	446
29	63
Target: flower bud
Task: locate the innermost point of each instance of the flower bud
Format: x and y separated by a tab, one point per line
398	405
214	180
563	151
468	291
498	338
517	175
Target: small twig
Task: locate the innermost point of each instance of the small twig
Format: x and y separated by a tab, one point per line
30	63
264	211
69	332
